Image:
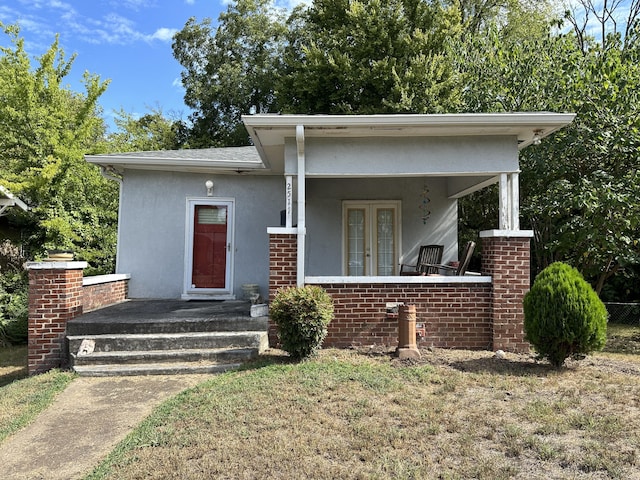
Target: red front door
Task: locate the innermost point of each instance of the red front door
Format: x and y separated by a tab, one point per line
209	246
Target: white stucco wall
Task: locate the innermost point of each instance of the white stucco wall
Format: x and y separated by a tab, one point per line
152	227
324	217
405	156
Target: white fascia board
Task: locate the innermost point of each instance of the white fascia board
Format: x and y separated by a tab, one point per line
11	200
169	164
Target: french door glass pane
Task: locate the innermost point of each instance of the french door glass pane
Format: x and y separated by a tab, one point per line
385	246
355	241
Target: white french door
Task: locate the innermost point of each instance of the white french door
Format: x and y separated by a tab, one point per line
370	238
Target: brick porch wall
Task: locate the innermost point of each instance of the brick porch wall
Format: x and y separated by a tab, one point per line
468	315
507	261
57	295
104	290
282	269
454	315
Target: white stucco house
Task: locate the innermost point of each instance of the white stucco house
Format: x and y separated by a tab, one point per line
339	201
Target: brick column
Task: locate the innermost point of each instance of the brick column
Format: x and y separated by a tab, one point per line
55	297
282	267
506	258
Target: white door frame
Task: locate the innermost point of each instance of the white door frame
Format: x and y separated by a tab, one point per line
190	292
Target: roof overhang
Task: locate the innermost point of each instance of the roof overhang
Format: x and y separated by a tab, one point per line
228	159
269	131
8	199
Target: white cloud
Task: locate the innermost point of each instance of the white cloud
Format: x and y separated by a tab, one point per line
164	34
177	83
133	4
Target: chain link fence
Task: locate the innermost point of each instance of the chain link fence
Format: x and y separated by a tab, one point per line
624	313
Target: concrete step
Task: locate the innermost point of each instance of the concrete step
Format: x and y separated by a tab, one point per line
217	355
107	370
153	337
89	326
169	341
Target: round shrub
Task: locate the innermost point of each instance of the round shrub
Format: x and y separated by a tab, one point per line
563	315
302	315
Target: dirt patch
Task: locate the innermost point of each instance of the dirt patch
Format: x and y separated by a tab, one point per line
481	361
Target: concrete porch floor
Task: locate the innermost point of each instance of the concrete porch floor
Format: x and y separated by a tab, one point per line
161	315
154	310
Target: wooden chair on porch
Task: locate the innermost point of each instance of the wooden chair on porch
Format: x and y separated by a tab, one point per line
428	256
463	264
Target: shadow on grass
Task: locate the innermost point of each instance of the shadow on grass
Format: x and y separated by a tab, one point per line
13	364
516	368
266	359
623	339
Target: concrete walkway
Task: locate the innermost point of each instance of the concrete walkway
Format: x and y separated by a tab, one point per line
85	422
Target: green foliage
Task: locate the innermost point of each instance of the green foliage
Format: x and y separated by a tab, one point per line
577	188
371	56
230	69
14	287
302	315
152	131
563	315
46	130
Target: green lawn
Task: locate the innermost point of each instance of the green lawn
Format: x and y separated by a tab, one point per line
367	415
22	397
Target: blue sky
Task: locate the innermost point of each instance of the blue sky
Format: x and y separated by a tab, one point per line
126	41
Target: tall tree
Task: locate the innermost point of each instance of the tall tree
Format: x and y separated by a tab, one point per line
584	173
45	129
151	131
230	70
371	56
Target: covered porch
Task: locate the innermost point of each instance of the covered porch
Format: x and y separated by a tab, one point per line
333	163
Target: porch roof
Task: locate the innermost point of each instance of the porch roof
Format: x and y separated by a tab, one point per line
269	132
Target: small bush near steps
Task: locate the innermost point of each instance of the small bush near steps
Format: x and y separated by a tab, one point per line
563	316
302	315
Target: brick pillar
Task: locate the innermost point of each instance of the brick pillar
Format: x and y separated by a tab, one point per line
282	268
506	258
55	297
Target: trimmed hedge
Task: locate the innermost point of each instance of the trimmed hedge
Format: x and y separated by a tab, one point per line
563	316
302	315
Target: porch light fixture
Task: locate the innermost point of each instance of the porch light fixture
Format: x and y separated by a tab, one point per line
209	185
537	139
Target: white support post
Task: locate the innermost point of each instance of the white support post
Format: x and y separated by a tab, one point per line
515	201
289	201
301	204
503	222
